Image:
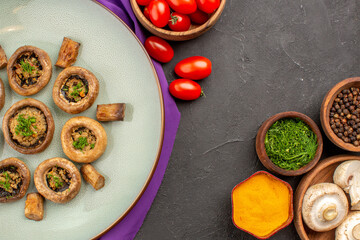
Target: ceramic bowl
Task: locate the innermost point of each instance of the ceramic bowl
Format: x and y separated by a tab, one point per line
193	32
325	112
290	215
260	144
323	172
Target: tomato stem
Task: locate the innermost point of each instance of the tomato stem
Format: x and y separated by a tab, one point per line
202	94
173	19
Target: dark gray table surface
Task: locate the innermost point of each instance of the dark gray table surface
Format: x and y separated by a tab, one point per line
268	57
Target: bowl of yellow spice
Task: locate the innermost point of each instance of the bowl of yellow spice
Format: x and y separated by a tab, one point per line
262	205
289	143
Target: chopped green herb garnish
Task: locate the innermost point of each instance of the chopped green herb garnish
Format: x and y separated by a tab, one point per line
24	125
26	67
65	88
6	184
76	92
92	145
80	143
57	180
290	143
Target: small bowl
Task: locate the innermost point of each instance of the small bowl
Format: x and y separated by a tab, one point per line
193	32
291	211
325	111
323	172
260	144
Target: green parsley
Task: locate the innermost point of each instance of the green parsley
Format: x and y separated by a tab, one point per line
26	67
80	143
92	145
57	180
290	143
76	90
6	184
23	126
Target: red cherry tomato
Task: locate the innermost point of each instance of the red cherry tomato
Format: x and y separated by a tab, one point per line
159	12
194	68
185	89
159	49
146	13
183	6
179	22
199	17
208	6
143	2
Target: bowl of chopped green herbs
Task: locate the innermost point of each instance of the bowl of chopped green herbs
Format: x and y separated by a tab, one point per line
289	143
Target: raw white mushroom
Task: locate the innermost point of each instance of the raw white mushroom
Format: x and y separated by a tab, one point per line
350	228
324	207
347	176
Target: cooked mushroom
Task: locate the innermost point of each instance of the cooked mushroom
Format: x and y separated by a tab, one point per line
28	126
68	53
2	94
75	90
110	112
83	139
14	179
92	176
350	228
3	58
34	206
347	176
29	70
324	207
57	179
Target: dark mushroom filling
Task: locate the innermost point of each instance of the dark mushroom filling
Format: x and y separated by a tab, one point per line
83	139
10	182
28	127
75	88
58	179
27	69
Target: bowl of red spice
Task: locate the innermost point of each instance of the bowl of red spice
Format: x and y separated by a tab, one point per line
200	21
289	143
262	205
340	114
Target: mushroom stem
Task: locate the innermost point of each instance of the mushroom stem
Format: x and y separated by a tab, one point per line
356	231
92	176
34	206
330	213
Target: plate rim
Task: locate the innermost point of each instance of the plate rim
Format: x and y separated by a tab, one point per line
154	167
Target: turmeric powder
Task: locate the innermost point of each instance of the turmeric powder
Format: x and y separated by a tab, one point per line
261	204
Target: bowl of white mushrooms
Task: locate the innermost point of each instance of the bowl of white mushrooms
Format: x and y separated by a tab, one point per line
327	200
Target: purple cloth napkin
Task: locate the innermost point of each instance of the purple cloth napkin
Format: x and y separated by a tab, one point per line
131	224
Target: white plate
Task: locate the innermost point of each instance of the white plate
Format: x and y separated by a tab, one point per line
112	52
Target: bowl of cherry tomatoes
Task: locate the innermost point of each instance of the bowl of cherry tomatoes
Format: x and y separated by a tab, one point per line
178	20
